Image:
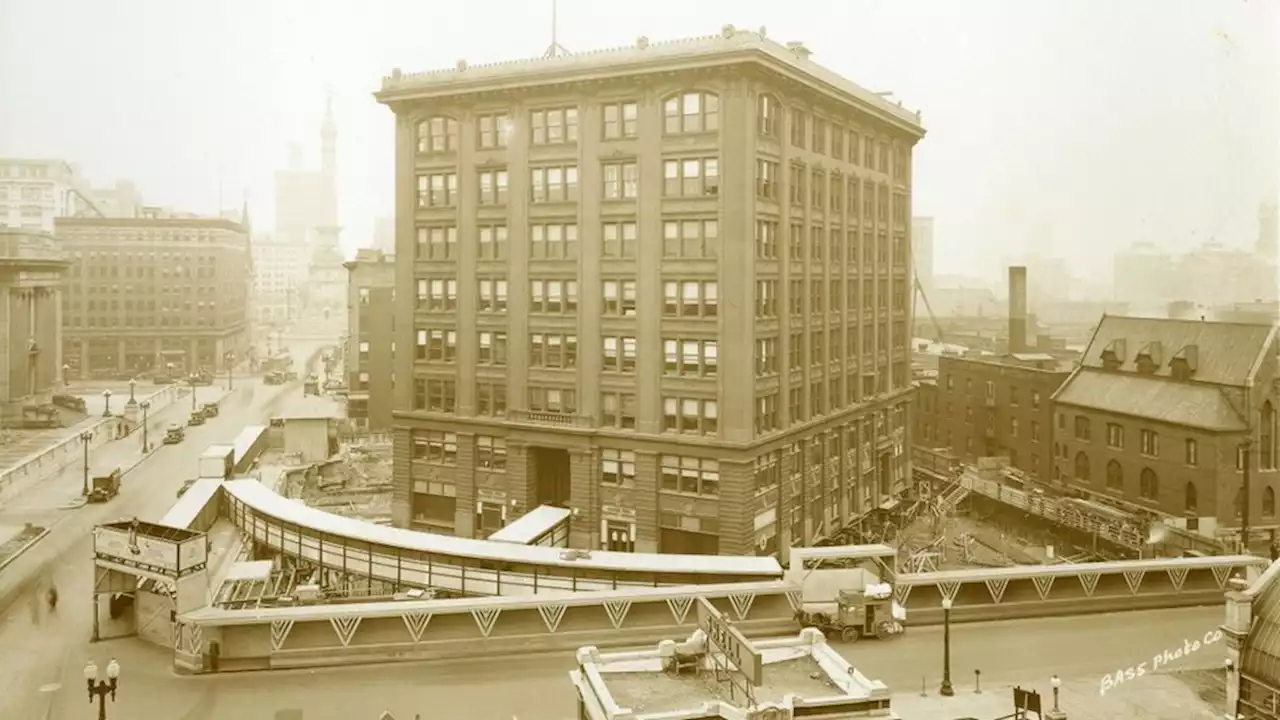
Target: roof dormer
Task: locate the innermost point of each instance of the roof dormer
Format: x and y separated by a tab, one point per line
1113	354
1184	362
1149	358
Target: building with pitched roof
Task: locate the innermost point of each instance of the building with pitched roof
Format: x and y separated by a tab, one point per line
1159	412
656	284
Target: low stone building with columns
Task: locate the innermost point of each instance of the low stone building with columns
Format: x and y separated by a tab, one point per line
32	267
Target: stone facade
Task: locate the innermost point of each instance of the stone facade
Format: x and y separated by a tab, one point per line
32	268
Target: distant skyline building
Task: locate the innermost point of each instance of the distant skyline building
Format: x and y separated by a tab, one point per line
307	199
1268	244
34	191
157	290
280	272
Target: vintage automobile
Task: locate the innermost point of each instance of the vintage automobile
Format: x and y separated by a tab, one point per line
175	434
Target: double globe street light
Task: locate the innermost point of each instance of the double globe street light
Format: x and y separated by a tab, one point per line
100	689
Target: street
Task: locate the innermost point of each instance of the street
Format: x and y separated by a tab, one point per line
43	679
1080	650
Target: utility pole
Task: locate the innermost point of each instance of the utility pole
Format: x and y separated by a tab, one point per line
1245	449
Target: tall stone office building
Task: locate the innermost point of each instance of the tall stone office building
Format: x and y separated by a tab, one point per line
666	286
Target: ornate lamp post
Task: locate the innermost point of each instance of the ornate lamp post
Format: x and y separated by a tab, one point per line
85	437
106	410
228	357
145	405
946	690
132	401
100	689
1056	683
192	379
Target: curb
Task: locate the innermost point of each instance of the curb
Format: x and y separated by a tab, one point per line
22	550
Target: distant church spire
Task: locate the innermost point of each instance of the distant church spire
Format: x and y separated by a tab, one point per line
244	211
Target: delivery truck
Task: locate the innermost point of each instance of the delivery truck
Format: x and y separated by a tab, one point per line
217	462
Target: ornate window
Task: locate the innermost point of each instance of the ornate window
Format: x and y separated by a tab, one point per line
691	112
1082	467
1149	485
1115	475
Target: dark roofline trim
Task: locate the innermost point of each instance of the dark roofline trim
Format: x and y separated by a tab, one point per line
1011	366
727	58
1164	423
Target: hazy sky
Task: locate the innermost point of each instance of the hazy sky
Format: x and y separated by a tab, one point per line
1076	126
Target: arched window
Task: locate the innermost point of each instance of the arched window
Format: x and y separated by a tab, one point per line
1148	484
437	135
691	112
1115	476
1267	439
1082	467
1191	502
768	115
1269	502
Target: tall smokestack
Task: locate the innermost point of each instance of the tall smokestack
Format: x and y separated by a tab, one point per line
1017	309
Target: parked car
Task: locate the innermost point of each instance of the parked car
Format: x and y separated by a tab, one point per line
209	410
196	418
175	434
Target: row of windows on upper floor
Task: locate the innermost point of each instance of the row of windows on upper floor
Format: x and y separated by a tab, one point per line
1149	440
683	415
688	357
680	298
688	237
682	178
683	113
1149	486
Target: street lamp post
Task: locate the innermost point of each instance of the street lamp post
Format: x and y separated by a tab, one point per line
1056	683
946	690
145	405
228	358
192	379
132	400
100	689
85	437
66	373
106	410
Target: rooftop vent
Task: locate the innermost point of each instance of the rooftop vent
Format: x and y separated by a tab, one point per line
642	42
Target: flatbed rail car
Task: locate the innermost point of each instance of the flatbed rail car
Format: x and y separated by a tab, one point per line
466	566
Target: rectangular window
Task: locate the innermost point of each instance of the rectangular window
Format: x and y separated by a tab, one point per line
690	298
437	243
619	297
690	358
491	453
436	345
690	238
619	240
437	294
434	446
766	298
554	126
492	242
692	177
617	467
492	295
492	348
553	296
553	184
438	135
618	410
690	476
692	112
563	401
493	131
1082	428
437	190
553	350
1192	452
491	399
767	179
766	239
621	120
555	241
621	181
1115	436
1150	443
619	354
690	415
493	187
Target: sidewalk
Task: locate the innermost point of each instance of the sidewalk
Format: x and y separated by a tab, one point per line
1153	697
